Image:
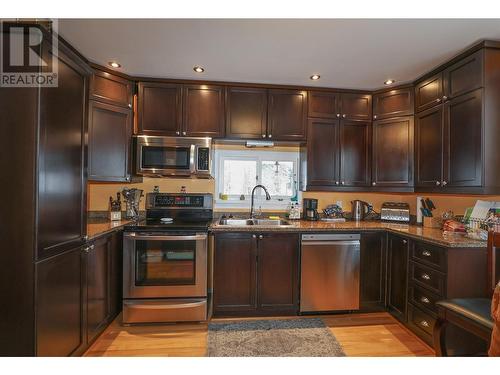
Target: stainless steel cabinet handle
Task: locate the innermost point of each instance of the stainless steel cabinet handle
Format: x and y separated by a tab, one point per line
254	236
183	133
85	238
338	114
374	183
426	253
424	300
374	116
263	136
445	98
88	248
438	100
336	182
261	237
343	116
424	323
405	242
177	132
343	182
445	183
438	183
147	237
130	105
270	136
425	276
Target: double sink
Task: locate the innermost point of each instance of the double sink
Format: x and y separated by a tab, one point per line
253	222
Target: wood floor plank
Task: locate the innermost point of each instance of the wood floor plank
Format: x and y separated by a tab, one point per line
373	334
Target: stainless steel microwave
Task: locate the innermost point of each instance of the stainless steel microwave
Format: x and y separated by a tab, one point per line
173	156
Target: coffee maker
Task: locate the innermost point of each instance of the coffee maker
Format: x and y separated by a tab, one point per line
310	209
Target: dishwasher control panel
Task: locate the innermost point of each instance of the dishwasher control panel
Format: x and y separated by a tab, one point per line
331	237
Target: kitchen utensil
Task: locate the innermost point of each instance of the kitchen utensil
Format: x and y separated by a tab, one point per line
359	209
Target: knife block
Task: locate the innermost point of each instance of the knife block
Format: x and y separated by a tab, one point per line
432	222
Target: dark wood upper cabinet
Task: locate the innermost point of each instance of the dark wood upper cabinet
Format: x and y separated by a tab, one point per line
392	155
429	147
356	106
398	252
323	104
278	286
393	103
355	141
235	262
323	165
59	304
287	116
246	113
159	109
464	76
110	136
463	140
61	163
203	111
111	89
429	92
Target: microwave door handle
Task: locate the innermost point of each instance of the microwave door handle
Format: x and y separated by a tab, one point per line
192	158
145	237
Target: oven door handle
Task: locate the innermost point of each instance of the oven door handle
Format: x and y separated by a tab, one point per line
146	237
164	306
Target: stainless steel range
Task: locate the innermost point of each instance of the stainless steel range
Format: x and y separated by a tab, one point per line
165	260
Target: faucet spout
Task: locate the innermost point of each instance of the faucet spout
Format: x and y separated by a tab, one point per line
268	198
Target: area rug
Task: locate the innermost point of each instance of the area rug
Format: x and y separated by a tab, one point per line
272	338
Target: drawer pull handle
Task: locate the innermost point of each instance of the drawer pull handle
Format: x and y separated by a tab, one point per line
426	253
425	276
424	323
425	300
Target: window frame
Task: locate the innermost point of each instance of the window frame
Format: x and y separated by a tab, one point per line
276	202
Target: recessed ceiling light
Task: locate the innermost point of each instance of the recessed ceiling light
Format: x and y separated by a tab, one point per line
198	69
114	64
389	82
315	77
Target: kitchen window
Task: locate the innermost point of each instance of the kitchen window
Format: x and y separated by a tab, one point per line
238	171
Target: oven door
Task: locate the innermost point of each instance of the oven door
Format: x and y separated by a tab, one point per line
165	159
163	266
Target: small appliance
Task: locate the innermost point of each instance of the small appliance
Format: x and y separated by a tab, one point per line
173	156
359	209
395	211
310	209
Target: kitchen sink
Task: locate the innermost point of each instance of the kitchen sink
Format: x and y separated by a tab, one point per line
253	222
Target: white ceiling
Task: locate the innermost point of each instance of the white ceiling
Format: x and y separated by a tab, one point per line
348	53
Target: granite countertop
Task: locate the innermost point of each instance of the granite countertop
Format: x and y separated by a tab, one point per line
97	227
432	235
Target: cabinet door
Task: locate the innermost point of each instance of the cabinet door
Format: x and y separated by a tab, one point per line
323	104
429	147
464	76
278	285
372	272
59	304
246	113
287	115
393	103
110	132
159	108
61	163
393	152
235	274
463	140
355	166
429	93
322	152
356	106
98	286
111	89
398	272
203	111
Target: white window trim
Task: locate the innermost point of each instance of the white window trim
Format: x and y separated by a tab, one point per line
276	203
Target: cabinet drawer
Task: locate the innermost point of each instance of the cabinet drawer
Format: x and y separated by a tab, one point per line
429	255
421	322
427	278
423	298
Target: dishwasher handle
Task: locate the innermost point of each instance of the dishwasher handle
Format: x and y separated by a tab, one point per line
330	243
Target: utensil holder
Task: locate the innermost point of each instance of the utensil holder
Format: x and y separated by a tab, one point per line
432	222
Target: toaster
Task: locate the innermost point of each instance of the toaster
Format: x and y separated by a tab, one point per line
395	211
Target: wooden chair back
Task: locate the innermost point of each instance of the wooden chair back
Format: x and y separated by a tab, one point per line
493	259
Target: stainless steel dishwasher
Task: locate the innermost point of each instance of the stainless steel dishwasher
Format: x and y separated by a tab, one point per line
329	272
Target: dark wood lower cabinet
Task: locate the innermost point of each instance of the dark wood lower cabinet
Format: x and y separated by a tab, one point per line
256	274
373	259
397	271
78	295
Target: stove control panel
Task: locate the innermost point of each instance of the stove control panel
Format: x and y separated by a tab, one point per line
179	201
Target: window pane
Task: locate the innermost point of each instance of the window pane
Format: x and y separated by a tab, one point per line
277	177
239	176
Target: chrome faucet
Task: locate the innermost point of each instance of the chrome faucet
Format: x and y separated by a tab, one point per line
268	198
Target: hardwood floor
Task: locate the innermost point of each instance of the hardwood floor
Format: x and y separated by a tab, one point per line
374	334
